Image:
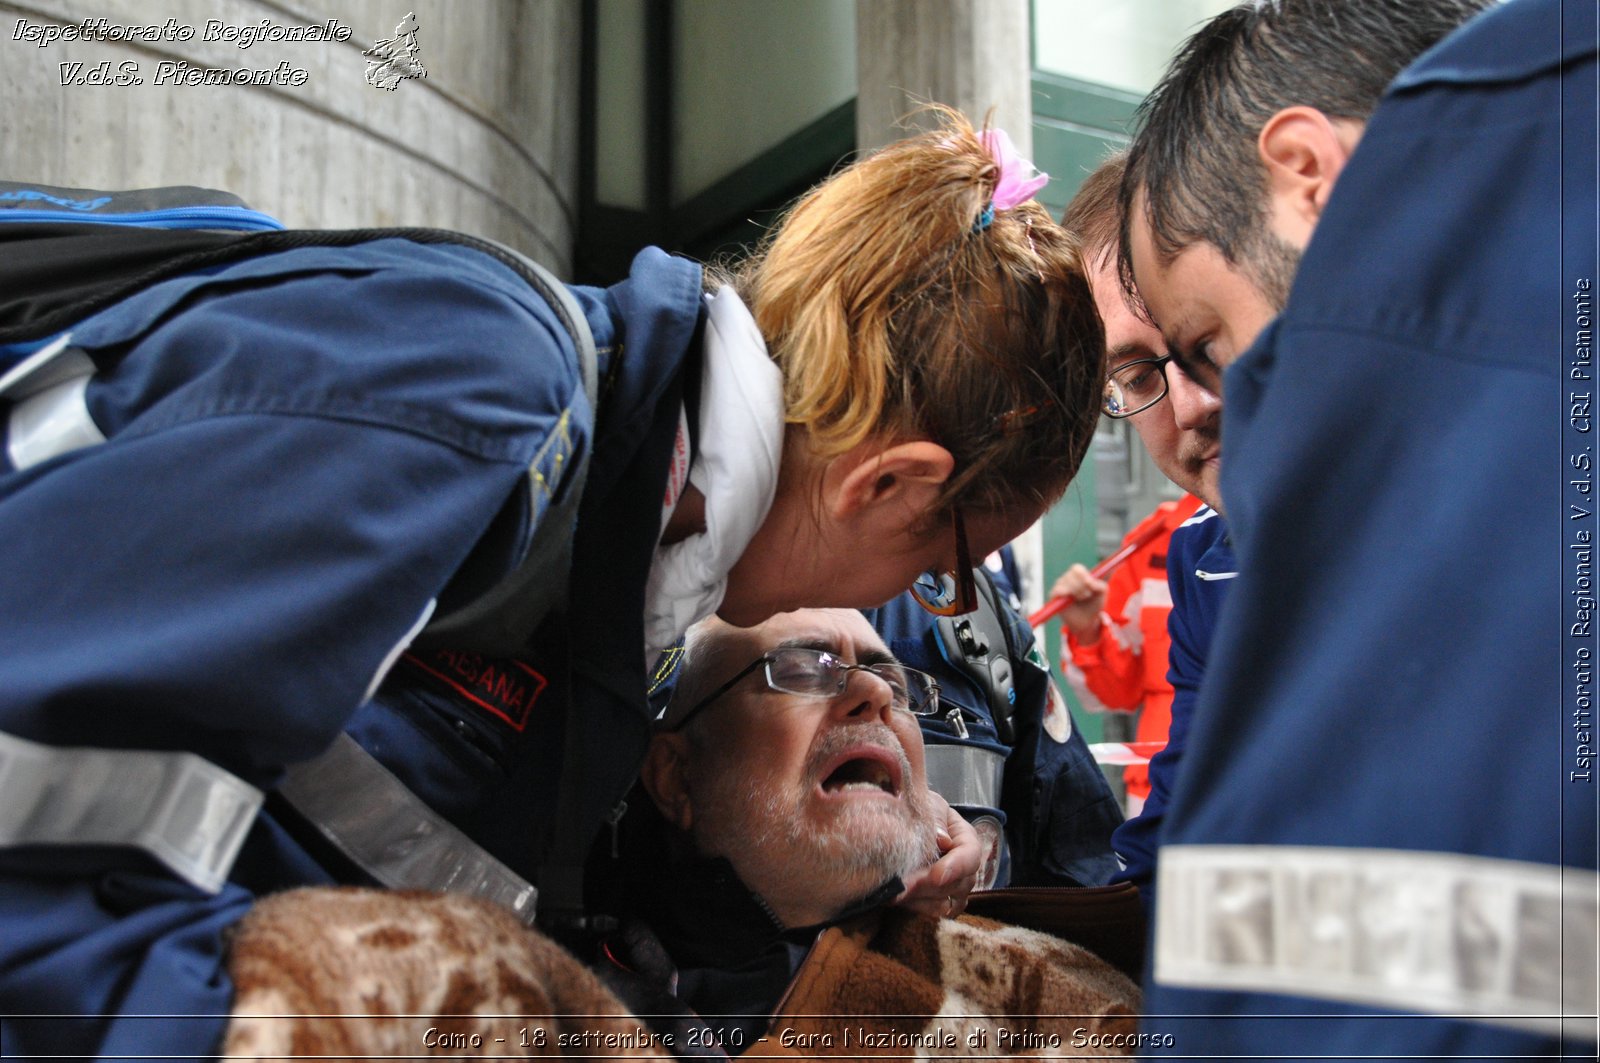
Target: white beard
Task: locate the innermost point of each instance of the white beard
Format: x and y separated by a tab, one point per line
772	834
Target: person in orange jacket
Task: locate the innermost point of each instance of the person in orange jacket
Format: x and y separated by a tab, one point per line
1114	638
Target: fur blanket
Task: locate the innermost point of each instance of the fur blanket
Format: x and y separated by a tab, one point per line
905	985
354	973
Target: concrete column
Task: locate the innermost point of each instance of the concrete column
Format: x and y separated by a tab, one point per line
970	54
486	143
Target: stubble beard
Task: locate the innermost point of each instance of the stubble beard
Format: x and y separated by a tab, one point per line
1197	444
1274	265
775	837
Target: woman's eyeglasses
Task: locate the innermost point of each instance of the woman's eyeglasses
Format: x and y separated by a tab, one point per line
949	593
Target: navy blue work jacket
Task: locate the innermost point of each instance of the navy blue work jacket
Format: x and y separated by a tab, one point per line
302	450
1055	807
1200	569
1382	842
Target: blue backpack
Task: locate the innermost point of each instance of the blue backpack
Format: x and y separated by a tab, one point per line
67	253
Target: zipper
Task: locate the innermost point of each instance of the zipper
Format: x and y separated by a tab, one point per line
237	218
614	820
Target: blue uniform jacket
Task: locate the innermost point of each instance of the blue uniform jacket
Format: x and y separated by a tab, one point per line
1390	764
302	451
1200	568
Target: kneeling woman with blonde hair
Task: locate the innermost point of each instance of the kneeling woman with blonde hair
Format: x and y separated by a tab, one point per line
371	433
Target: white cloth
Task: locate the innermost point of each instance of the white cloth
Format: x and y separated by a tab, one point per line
735	468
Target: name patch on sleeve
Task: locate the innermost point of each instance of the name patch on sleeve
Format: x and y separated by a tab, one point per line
505	688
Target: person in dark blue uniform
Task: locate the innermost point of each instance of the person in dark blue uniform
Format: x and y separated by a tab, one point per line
232	498
1383	842
1200	569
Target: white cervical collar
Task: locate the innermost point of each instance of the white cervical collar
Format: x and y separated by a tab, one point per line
735	468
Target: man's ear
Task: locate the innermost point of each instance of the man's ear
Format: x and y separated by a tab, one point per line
912	473
1304	151
664	776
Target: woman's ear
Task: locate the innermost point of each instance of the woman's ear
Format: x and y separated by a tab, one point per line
664	776
908	473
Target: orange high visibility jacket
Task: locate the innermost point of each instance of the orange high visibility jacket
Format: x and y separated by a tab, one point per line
1127	667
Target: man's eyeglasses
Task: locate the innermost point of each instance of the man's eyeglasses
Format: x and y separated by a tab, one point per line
949	593
812	673
1135	387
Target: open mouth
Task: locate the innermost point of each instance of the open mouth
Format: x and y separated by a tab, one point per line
863	771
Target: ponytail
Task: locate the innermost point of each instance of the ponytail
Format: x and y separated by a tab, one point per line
901	300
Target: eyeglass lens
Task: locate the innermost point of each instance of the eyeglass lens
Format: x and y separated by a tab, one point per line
817	672
1132	387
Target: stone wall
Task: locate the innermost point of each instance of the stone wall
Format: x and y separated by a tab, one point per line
485	143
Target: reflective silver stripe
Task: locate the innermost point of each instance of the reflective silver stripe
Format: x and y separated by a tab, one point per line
1154	594
376	821
965	775
183	810
49	415
1503	942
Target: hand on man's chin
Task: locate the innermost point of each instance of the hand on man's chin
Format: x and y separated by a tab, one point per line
941	887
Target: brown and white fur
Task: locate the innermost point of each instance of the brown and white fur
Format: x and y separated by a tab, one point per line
355	973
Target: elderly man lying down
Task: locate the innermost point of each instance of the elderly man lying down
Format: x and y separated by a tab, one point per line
786	799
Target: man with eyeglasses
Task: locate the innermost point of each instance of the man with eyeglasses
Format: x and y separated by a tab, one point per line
1180	424
782	805
787	804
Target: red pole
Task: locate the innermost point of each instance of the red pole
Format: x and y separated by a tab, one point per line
1101	571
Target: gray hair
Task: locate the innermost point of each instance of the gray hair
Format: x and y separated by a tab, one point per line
701	668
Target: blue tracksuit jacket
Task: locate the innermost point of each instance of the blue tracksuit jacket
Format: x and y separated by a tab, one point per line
1200	568
302	451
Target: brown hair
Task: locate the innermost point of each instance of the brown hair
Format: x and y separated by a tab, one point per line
1195	156
1094	216
892	312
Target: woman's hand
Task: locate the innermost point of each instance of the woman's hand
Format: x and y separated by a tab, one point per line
941	888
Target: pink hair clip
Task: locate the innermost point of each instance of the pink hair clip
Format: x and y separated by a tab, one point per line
1015	186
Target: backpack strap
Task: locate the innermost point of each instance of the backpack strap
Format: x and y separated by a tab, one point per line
980	645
